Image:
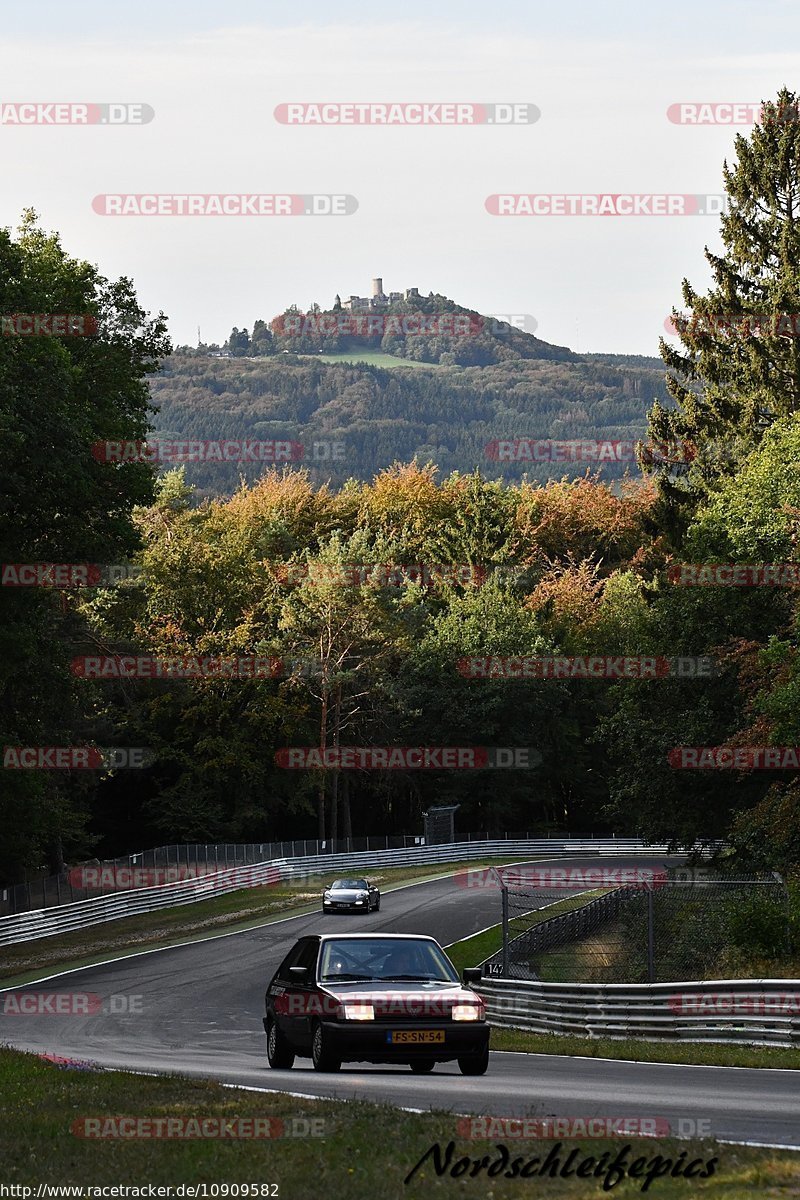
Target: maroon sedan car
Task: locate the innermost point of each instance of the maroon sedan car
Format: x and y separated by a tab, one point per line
378	998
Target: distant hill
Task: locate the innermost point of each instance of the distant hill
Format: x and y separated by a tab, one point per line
366	417
432	329
471	386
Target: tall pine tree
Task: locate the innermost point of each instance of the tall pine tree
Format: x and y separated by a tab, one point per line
738	367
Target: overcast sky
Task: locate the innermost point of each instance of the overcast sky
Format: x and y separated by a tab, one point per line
603	76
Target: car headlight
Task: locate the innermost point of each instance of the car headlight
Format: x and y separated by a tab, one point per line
357	1010
467	1012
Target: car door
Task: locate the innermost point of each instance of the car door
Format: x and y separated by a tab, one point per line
306	1001
293	995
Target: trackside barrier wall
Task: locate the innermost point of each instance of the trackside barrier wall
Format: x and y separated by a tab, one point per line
759	1012
39	923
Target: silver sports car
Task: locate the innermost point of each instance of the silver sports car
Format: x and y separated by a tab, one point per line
351	895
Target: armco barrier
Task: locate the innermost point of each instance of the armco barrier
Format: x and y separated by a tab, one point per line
760	1012
39	923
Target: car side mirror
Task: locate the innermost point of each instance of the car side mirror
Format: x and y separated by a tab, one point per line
298	974
472	975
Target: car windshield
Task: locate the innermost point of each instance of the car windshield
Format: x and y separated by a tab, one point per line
411	959
350	885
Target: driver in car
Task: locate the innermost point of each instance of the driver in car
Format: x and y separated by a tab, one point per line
402	961
336	966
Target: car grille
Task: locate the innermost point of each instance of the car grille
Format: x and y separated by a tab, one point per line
433	1016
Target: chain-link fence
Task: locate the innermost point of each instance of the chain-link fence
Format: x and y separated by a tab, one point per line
683	923
163	864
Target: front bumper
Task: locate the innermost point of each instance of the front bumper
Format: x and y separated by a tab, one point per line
345	906
367	1041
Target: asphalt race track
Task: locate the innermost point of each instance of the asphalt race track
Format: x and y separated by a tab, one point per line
197	1010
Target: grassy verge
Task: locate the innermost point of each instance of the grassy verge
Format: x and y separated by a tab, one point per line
366	1150
223	914
374	358
697	1053
472	951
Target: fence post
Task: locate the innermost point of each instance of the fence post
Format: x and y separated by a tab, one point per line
651	956
505	930
785	894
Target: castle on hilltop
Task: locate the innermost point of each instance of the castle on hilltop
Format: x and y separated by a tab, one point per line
378	300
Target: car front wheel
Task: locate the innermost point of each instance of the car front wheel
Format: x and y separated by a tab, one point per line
321	1055
474	1064
279	1053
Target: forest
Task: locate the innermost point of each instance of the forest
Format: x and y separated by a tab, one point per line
416	593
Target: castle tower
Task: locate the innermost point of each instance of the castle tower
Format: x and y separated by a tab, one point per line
377	287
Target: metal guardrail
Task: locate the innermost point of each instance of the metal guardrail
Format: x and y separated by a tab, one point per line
758	1012
28	926
188	859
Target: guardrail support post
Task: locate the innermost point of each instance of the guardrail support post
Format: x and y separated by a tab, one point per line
505	931
651	948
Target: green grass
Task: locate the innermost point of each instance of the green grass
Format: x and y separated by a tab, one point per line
366	1150
373	358
240	910
472	951
697	1053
